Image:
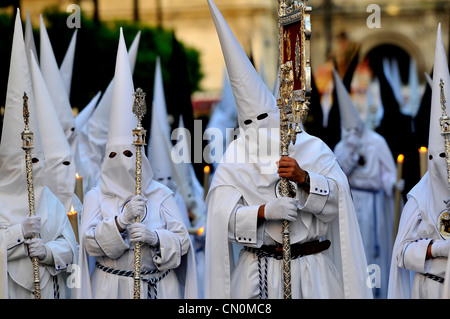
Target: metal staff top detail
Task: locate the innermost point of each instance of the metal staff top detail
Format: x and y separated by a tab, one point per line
139	109
139	133
27	146
445	128
294	29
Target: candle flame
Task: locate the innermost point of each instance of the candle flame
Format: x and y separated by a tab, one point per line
400	158
77	176
201	230
423	149
72	211
206	169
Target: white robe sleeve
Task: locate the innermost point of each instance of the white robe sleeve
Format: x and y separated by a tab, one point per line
243	225
101	236
14	242
323	198
174	241
411	252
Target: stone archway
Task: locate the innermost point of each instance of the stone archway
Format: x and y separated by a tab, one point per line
369	43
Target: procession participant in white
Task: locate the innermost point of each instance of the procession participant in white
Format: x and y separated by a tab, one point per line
66	67
55	84
159	145
59	160
176	175
223	118
92	137
328	259
367	161
108	230
421	248
55	246
193	195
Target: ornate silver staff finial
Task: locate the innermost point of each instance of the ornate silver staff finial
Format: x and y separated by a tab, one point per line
139	105
139	109
294	29
445	127
27	146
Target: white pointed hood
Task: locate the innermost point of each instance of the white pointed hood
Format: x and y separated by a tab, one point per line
55	83
159	145
431	191
13	179
396	82
224	116
30	45
92	137
188	183
437	167
412	106
251	94
83	117
350	117
59	161
255	180
66	68
118	169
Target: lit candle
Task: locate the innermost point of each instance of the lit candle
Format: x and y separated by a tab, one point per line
206	172
79	187
73	218
200	231
196	231
400	160
423	161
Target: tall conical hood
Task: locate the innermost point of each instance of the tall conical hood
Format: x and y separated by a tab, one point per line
187	181
59	161
411	107
159	145
55	83
66	67
96	128
122	121
396	81
92	137
19	82
82	118
437	168
251	94
350	118
119	164
13	179
223	117
30	45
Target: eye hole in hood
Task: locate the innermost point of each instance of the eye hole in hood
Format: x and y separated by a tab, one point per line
127	153
262	116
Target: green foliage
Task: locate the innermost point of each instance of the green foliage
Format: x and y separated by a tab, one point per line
95	54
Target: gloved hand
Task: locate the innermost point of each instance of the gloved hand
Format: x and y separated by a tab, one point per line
36	248
133	209
282	208
31	226
440	248
400	185
140	233
352	142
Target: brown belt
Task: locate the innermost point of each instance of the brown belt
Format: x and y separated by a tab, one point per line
297	250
